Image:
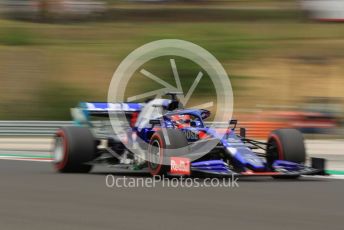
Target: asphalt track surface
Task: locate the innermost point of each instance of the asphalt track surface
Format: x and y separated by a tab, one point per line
33	196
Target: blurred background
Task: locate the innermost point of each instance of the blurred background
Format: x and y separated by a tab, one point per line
285	57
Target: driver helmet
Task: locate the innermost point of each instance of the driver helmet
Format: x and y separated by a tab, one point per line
181	121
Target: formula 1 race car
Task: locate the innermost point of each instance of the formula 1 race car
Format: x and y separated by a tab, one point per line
174	141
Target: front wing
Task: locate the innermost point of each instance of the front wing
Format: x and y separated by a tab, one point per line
220	168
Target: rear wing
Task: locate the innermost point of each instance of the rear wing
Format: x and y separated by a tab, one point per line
101	108
82	113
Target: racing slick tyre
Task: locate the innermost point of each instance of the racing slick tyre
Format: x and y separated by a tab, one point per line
160	150
286	144
74	146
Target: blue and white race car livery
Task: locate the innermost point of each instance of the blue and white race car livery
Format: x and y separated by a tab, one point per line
171	141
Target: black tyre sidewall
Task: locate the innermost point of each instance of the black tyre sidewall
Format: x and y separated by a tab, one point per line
290	145
79	148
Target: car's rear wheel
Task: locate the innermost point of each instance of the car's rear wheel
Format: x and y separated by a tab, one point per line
73	148
286	144
161	148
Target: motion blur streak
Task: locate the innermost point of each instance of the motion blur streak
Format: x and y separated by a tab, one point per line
286	65
326	10
285	71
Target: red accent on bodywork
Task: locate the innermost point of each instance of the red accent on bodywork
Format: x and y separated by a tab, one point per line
133	119
202	135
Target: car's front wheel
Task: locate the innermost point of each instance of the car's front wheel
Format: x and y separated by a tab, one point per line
286	144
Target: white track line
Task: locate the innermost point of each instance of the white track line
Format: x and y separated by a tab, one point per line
15	158
335	177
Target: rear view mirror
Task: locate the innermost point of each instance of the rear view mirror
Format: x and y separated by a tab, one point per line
154	122
243	132
233	122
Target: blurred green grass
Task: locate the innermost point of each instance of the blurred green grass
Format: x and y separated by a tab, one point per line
17	37
47	68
